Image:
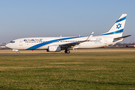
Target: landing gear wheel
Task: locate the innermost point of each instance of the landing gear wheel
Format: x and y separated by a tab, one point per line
67	51
18	52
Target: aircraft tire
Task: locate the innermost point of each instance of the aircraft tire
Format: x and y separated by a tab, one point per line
67	51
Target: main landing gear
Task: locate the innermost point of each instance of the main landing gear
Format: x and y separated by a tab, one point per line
67	51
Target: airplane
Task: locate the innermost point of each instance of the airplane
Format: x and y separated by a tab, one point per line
56	44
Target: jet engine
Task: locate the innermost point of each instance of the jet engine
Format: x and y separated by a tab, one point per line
54	49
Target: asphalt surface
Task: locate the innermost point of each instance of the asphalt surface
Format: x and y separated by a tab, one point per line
72	52
97	53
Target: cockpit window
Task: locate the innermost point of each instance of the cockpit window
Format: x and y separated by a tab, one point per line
12	41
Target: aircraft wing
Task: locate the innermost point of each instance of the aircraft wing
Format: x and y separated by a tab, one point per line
70	45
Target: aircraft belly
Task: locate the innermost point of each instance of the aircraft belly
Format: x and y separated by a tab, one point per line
43	47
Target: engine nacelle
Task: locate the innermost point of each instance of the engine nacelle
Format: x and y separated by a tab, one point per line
54	49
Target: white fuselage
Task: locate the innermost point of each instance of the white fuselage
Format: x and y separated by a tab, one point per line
44	42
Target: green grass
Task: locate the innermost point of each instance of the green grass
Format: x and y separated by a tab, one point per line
67	72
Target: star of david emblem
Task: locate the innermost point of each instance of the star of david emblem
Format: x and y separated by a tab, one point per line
118	26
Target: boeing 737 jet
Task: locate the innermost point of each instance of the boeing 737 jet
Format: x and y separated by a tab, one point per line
56	44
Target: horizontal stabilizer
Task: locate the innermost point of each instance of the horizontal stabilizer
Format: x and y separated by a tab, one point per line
123	37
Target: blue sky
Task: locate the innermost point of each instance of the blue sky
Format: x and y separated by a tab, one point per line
41	18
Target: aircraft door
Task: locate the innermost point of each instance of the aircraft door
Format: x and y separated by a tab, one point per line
21	43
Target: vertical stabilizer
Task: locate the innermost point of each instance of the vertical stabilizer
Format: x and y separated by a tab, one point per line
118	28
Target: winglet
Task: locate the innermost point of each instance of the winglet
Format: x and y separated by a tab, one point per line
89	38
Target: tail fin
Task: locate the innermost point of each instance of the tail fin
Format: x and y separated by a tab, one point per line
118	27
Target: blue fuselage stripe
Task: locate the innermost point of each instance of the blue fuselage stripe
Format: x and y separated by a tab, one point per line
49	42
119	31
121	19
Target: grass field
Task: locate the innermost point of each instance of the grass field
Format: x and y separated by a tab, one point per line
67	72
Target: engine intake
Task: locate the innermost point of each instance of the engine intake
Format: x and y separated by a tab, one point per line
54	49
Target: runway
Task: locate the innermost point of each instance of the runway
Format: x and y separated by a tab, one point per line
101	51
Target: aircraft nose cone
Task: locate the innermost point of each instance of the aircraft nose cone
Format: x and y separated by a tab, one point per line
8	45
